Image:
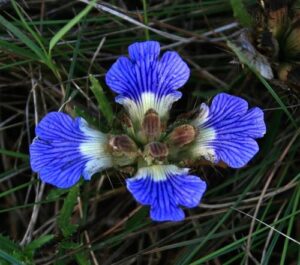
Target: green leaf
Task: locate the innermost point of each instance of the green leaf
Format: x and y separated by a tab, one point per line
82	258
11	252
103	103
59	35
64	222
240	13
15	49
23	38
34	34
9	258
8	245
37	243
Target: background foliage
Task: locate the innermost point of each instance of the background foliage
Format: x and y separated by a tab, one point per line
51	53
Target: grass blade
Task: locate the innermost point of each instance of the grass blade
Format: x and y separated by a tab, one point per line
14	154
34	34
103	102
23	38
15	49
290	226
59	35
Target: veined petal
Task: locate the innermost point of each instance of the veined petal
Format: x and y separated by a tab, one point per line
165	188
226	131
144	50
143	81
66	149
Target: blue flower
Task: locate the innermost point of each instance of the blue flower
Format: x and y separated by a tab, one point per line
165	188
227	129
144	81
66	149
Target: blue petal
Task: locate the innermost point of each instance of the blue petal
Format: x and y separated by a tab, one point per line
141	51
172	73
228	131
62	151
165	188
144	81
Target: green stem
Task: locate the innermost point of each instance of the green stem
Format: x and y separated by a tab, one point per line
147	35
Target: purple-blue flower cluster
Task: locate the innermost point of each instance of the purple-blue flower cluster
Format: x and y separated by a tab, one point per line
66	149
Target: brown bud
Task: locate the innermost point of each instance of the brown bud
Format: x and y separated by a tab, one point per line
182	135
283	71
151	125
125	120
158	150
122	143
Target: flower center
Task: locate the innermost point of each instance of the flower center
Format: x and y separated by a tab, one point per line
150	142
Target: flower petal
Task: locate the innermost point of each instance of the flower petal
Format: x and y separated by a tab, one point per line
144	82
66	149
226	131
165	188
141	51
